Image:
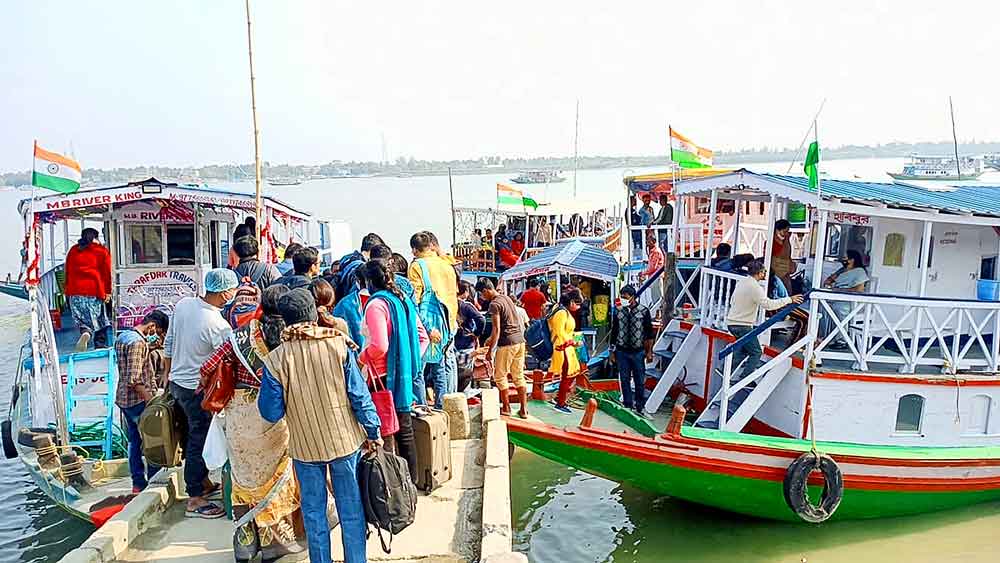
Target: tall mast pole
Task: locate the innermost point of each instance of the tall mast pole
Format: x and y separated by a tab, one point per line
576	147
256	129
451	197
954	138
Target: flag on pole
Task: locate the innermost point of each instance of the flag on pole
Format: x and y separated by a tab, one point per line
55	172
514	197
687	154
811	164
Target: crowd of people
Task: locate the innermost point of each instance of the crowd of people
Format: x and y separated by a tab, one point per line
504	247
303	351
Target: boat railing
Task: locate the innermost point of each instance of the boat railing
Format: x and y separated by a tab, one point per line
951	334
716	296
687	242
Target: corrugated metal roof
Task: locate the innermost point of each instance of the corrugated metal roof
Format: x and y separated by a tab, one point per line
574	256
963	198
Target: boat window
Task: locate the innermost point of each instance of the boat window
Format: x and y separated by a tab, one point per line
979	417
892	252
205	243
180	245
988	268
909	413
145	244
833	241
761	208
702	204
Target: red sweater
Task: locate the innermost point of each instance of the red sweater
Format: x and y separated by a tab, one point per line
88	271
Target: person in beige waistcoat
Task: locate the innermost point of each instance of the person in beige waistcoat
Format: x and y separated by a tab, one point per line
312	381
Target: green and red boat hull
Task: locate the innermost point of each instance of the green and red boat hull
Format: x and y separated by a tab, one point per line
744	473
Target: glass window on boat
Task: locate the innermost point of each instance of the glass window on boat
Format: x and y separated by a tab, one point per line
841	238
180	245
909	413
978	421
145	244
205	243
892	253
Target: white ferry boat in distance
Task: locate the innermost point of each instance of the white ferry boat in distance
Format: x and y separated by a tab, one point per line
538	177
939	168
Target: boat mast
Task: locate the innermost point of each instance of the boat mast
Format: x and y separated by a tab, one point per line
954	138
451	197
576	147
256	129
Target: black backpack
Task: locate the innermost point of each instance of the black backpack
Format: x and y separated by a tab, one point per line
388	494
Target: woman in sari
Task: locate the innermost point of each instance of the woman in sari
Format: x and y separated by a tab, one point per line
258	450
852	276
565	363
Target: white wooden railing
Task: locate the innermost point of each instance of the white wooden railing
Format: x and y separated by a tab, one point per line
689	241
951	334
716	296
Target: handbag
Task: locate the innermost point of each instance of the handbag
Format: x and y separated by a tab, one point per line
384	405
219	388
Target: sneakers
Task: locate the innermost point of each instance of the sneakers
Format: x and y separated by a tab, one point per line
562	408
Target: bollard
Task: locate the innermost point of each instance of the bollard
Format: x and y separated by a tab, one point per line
538	385
457	407
588	414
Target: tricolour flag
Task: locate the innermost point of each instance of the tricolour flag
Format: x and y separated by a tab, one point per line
514	197
811	164
687	154
55	172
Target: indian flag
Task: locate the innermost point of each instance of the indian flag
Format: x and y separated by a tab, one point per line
509	196
687	154
55	172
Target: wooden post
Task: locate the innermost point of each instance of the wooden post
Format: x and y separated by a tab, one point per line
259	208
669	280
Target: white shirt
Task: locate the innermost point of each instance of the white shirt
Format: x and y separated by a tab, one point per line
747	297
197	329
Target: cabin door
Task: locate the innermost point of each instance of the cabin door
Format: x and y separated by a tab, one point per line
893	261
955	261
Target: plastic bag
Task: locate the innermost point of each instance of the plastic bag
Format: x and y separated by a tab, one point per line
216	453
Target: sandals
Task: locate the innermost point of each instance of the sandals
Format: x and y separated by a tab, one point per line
208	511
213	493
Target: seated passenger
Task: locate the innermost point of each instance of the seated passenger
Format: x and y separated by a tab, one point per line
852	276
723	257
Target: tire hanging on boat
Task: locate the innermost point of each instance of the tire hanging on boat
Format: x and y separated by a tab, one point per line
797	492
9	449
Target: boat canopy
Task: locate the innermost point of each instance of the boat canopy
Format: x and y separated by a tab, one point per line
572	257
57	206
662	182
977	204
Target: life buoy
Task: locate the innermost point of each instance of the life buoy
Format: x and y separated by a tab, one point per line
797	492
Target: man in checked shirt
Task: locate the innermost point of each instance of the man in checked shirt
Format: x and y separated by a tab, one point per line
137	384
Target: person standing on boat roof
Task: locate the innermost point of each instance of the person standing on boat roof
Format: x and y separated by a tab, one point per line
196	332
249	266
646	214
748	297
665	218
441	371
782	264
312	381
88	288
306	267
286	265
137	385
565	364
632	345
508	337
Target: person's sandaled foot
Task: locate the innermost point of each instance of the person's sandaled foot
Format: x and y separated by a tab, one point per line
212	492
505	412
522	415
208	511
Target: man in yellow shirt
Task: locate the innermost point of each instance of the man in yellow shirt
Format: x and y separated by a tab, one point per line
442	375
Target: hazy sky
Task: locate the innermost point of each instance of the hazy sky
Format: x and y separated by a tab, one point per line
131	83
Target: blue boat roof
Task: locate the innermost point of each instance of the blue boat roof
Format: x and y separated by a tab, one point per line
574	257
978	199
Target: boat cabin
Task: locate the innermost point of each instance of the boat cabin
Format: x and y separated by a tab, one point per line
910	356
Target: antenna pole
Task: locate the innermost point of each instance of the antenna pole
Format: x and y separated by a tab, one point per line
256	129
451	197
576	147
954	138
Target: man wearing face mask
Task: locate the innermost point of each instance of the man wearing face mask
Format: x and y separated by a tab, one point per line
197	330
137	385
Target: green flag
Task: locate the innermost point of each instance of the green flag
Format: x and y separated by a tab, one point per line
811	164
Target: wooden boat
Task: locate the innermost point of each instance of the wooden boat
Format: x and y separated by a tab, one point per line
901	414
63	423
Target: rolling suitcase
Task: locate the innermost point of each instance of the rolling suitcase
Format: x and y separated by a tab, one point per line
431	434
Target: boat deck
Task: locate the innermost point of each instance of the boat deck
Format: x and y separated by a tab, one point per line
447	527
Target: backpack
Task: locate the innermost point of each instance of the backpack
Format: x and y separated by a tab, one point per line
539	338
434	315
387	493
159	427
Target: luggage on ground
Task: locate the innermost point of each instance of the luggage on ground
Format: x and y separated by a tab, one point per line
431	433
388	494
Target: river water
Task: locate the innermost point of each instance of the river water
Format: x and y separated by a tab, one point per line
560	514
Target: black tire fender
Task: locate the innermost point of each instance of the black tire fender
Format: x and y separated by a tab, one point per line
9	449
797	492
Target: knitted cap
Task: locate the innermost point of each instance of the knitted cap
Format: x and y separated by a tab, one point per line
298	306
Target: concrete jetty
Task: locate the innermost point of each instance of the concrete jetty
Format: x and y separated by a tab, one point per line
467	519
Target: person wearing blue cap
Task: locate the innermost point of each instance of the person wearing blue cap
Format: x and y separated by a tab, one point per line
195	332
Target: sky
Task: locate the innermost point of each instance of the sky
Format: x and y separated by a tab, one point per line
129	83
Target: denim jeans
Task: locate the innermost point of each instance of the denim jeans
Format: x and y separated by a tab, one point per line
141	472
442	376
632	371
198	421
750	350
343	473
405	443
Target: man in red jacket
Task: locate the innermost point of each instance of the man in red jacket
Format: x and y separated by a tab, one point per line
88	288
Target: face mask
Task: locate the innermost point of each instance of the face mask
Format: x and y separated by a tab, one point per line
152	338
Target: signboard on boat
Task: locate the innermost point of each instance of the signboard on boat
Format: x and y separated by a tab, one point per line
850	219
144	291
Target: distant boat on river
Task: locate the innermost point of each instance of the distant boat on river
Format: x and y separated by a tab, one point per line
939	168
284	182
538	177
